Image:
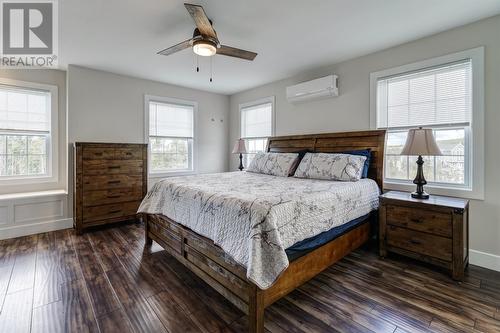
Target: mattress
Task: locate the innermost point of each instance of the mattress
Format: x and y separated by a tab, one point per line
307	245
254	217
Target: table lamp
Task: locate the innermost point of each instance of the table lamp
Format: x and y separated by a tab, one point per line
240	148
420	142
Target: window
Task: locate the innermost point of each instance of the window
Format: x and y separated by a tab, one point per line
171	135
28	140
438	95
257	124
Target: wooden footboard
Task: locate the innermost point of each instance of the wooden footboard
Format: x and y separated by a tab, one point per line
216	268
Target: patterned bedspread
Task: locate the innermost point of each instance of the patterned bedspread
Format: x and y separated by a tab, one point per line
255	217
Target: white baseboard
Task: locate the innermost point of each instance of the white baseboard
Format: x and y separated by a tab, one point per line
483	259
34	228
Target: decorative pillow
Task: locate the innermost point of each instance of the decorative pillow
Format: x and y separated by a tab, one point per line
342	167
276	164
362	152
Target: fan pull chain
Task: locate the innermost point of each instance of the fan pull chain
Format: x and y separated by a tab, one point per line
197	63
211	68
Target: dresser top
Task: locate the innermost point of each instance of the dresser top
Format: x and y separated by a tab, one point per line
435	200
110	144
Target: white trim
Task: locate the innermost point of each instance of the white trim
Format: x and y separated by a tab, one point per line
477	125
162	99
31	213
35	228
264	100
269	99
53	152
486	260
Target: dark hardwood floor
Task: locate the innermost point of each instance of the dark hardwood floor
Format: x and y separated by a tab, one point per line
105	281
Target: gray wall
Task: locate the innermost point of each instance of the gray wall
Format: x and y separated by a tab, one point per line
350	111
56	78
106	107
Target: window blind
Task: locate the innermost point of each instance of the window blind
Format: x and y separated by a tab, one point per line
170	120
256	121
24	110
437	96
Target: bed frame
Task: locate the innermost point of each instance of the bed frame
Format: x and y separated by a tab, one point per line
215	267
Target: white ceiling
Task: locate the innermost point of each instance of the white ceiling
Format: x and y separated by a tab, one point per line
123	36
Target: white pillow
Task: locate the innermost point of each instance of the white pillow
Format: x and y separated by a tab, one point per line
276	164
342	167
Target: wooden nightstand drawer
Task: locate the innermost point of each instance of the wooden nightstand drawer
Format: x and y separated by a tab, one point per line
435	230
419	242
421	220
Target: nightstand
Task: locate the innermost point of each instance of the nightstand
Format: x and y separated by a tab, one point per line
435	230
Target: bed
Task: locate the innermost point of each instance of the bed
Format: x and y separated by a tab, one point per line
294	228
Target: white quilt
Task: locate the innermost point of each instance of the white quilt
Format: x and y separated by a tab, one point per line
255	217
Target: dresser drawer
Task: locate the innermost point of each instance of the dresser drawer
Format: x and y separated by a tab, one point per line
419	242
128	154
101	197
98	153
104	212
103	167
111	182
421	220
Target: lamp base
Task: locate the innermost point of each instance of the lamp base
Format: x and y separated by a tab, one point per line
417	195
420	181
241	162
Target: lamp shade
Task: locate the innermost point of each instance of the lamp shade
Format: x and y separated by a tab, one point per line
240	147
420	141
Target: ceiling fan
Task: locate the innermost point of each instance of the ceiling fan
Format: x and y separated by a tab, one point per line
205	42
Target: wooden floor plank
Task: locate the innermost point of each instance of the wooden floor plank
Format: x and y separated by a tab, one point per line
173	317
107	281
337	319
78	313
23	272
140	313
5	274
16	312
48	318
102	295
116	321
47	274
334	306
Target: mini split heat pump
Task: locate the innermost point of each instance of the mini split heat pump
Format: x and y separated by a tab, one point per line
322	87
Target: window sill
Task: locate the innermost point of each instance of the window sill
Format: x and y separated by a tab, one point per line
32	194
437	190
28	180
172	174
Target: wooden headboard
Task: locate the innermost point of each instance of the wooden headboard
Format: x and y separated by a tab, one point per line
336	142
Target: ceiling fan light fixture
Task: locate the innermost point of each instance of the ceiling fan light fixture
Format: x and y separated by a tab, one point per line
204	48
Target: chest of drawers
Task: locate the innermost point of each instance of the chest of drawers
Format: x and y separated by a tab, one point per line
109	184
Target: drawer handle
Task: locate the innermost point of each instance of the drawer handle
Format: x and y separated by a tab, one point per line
114	182
113	196
415	241
114	167
416	220
115	211
98	154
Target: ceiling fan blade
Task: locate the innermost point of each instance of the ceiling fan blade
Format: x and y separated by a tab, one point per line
200	18
176	48
237	53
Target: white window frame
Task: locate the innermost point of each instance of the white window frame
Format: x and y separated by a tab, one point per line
475	190
53	144
170	100
265	100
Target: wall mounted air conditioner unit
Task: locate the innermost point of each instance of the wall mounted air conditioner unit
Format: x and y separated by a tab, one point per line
323	87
